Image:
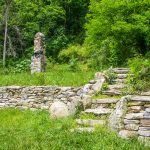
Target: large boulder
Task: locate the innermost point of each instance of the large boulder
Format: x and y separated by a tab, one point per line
59	110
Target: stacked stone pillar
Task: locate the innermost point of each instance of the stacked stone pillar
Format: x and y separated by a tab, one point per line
38	59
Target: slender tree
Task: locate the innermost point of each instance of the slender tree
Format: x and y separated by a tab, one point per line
7	5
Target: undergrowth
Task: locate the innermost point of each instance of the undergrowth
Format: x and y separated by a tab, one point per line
139	80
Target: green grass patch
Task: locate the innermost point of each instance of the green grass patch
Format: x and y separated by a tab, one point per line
92	116
88	116
105	96
26	130
57	75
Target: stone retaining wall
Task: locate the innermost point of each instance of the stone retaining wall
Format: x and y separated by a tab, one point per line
42	97
132	117
37	97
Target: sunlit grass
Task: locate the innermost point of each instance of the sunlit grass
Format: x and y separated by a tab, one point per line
26	130
57	75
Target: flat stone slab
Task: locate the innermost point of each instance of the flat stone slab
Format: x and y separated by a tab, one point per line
122	76
133	127
119	80
146	115
112	92
136	109
82	130
146	93
90	122
144	128
140	98
117	86
136	103
121	70
105	101
144	133
99	111
145	122
92	81
126	121
133	116
147	110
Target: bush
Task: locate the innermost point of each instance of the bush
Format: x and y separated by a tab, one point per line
21	66
73	64
140	68
110	76
76	51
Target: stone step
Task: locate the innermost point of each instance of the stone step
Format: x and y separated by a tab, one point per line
81	130
121	70
144	133
140	98
90	122
105	101
112	92
122	76
145	93
117	86
119	81
99	111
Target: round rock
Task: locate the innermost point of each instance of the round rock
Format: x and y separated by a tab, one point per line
59	110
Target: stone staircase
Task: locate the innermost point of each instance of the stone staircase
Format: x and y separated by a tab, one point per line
101	108
118	83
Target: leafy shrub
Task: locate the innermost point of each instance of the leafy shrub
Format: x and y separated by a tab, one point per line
21	66
76	51
104	87
103	56
110	76
73	64
140	68
57	42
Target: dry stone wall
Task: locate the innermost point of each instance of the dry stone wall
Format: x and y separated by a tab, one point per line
132	117
42	97
37	97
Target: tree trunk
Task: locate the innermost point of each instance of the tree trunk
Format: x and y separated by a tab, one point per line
5	36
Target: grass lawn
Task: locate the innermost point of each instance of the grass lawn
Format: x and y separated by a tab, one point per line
57	75
26	130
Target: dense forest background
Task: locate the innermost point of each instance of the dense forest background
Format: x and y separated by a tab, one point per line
98	33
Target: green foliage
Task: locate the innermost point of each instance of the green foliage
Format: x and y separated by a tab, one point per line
22	130
21	66
140	80
61	22
76	51
57	42
110	76
73	64
104	87
117	30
